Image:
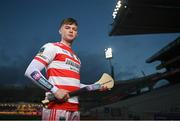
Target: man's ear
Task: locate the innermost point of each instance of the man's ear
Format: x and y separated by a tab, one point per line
60	31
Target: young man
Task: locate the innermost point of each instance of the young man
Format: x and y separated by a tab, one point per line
62	71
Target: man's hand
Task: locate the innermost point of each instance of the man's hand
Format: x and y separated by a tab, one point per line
62	94
99	87
103	88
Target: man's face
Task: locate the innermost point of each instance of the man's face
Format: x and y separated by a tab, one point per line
68	32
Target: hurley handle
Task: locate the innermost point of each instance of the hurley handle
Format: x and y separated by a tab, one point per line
51	97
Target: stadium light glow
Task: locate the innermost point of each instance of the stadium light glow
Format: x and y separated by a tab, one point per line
118	5
108	53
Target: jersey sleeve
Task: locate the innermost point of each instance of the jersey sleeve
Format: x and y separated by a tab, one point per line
33	72
46	54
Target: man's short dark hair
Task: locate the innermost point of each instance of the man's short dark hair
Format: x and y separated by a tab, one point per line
69	21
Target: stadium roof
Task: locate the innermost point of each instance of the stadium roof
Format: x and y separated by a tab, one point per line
169	51
145	17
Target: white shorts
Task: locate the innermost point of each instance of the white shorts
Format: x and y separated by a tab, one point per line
60	115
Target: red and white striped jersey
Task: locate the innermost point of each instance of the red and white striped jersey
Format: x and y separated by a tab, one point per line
63	71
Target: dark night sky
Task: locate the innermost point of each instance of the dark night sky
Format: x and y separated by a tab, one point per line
25	25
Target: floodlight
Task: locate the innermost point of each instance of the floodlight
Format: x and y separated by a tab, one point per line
108	53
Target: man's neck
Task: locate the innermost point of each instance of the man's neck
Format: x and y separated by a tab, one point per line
66	43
